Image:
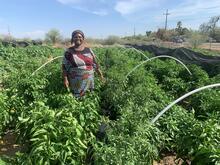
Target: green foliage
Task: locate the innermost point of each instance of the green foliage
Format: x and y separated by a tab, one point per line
180	30
211	28
53	36
207	52
196	38
55	136
4	113
112	40
166	35
60	129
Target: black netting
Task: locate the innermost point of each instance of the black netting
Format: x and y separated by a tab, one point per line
209	63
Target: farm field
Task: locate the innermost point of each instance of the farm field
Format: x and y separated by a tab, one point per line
214	46
112	125
206	46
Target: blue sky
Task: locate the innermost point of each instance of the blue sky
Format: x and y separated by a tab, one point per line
101	18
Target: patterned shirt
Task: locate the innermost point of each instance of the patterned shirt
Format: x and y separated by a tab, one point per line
78	66
79	60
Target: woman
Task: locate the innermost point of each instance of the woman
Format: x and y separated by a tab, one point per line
78	66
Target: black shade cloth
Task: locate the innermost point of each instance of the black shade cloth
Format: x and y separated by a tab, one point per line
211	64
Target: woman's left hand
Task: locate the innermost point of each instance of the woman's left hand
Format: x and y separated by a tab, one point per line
103	79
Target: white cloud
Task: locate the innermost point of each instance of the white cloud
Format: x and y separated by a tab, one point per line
132	6
203	8
100	12
69	1
102	7
35	34
97	7
150	12
191	12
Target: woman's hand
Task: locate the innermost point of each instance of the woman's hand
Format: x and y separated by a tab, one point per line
101	75
66	82
103	79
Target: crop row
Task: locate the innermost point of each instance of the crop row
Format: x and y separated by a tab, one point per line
59	129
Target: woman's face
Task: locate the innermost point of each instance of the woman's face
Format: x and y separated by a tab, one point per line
78	39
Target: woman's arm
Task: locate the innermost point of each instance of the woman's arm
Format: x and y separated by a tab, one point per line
65	78
96	67
100	74
64	72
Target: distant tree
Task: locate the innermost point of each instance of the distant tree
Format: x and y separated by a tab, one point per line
112	40
161	34
53	36
217	34
7	38
148	33
204	28
213	21
196	38
37	42
138	37
165	35
66	41
26	39
211	28
180	30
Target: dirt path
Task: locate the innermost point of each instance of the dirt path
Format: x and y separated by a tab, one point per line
213	46
207	46
170	160
8	145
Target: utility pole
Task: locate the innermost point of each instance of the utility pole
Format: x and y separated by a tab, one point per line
166	19
134	31
9	33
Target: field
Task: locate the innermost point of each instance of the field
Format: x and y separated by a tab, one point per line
112	125
212	46
215	47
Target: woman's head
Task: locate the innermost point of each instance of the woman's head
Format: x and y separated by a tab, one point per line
77	37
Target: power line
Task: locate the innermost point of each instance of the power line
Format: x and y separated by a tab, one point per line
196	10
211	7
188	19
166	18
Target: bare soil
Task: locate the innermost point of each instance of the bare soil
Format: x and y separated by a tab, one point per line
212	46
9	146
207	46
170	160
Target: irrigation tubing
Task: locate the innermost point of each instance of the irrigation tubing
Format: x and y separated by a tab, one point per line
161	56
181	98
45	64
139	52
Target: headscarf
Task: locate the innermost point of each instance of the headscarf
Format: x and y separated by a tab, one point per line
75	32
78	31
